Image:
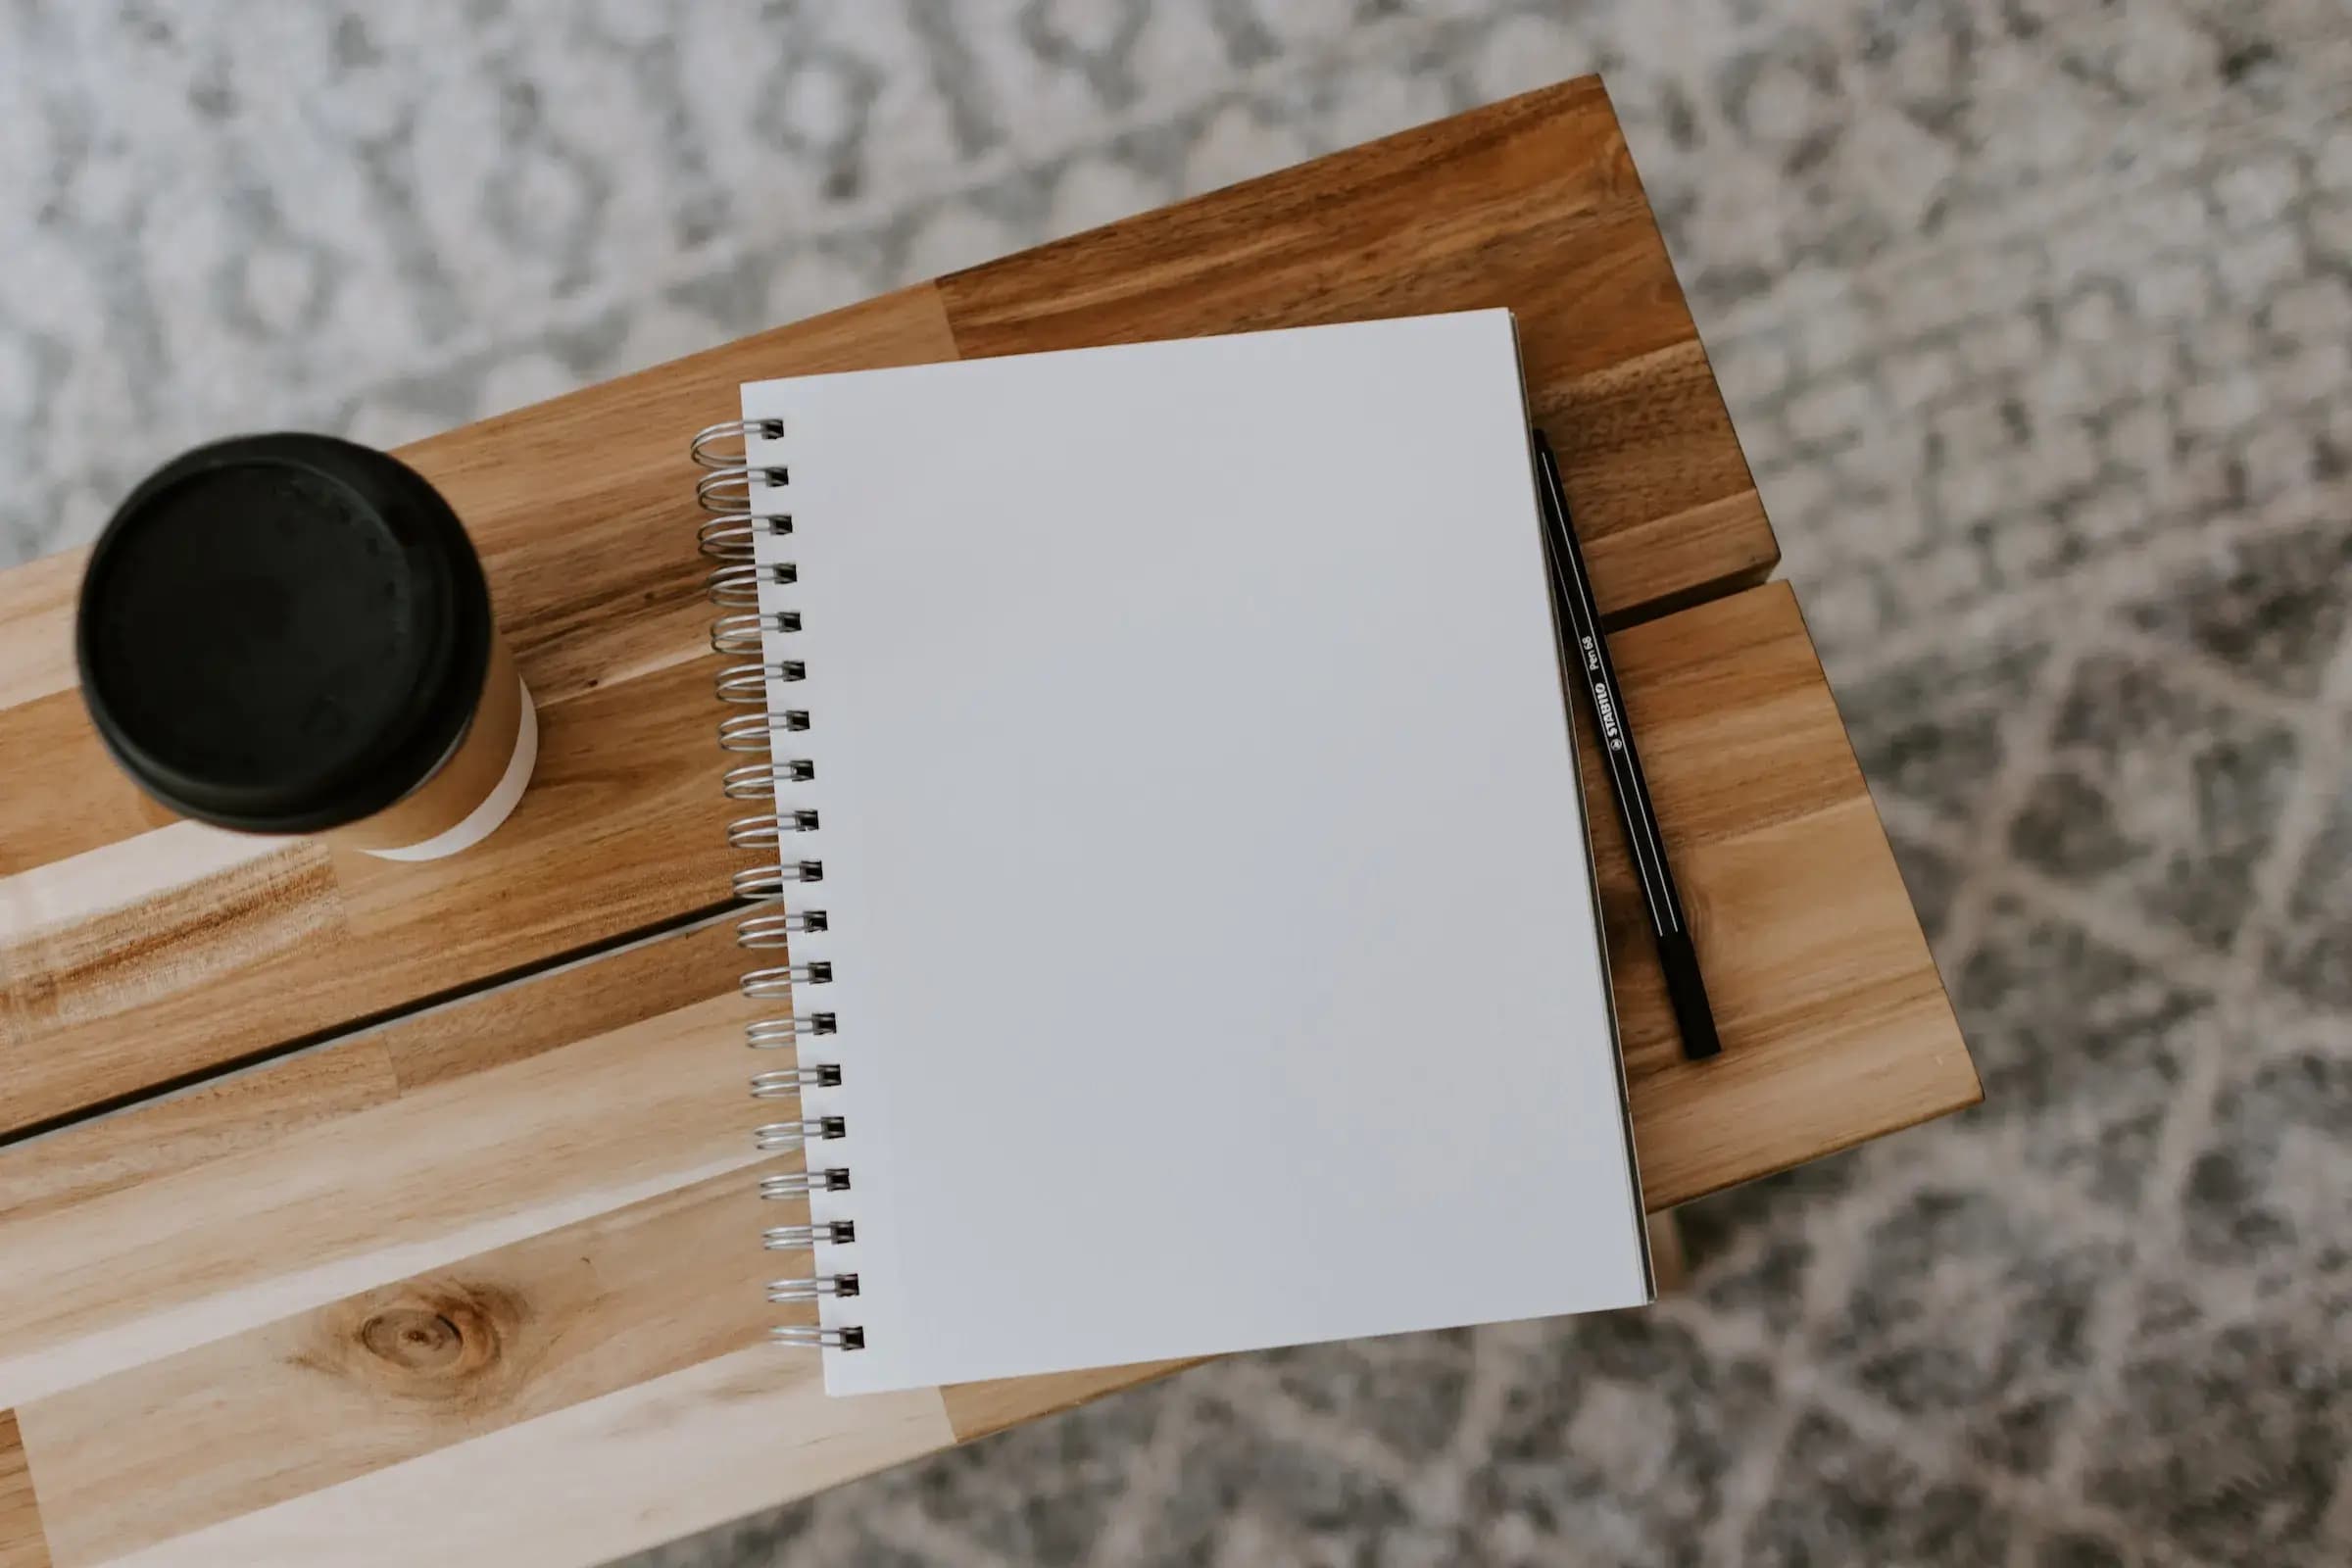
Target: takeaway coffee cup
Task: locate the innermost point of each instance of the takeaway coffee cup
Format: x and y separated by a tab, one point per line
290	634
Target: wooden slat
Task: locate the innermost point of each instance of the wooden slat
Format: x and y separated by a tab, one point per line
174	1132
546	1240
322	1398
458	1166
580	509
608	1476
1532	204
46	825
1834	1020
609	991
1657	482
246	1109
101	948
21	1541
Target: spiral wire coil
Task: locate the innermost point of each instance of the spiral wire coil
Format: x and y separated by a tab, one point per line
728	536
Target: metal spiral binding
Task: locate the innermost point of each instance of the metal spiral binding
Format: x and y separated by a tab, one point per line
789	1238
729	538
782	1137
784	1082
809	1336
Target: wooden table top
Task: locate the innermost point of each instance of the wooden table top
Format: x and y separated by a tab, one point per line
357	1210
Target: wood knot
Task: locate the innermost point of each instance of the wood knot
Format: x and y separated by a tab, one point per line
414	1339
442	1342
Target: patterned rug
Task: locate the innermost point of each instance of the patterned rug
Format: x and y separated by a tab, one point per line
2036	318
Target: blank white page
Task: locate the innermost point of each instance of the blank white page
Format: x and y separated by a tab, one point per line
1214	953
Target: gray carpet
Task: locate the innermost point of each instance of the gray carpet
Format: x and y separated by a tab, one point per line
2037	320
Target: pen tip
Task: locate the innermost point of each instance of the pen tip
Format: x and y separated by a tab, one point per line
1688	994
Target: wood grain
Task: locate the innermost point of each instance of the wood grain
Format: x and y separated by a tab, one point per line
1657	482
174	1132
636	984
459	1166
623	829
313	1401
1533	204
152	927
580	509
39	825
23	1544
242	1110
1834	1020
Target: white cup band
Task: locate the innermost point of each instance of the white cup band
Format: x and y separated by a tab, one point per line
496	807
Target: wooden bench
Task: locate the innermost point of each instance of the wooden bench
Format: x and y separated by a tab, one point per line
354	1211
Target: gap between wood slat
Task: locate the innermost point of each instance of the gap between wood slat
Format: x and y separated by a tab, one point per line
200	1077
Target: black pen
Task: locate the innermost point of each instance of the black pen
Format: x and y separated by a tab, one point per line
1582	617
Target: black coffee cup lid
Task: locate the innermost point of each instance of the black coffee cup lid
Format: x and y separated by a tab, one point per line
282	633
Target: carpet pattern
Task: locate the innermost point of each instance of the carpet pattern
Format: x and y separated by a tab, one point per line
2035	318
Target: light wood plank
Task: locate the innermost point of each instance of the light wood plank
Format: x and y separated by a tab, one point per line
148	925
23	1544
608	1477
38	826
458	1167
311	1401
175	1132
244	1109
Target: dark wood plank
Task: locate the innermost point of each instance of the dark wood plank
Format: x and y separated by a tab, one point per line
1533	204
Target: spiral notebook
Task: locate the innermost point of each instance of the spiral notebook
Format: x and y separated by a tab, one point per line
1176	930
